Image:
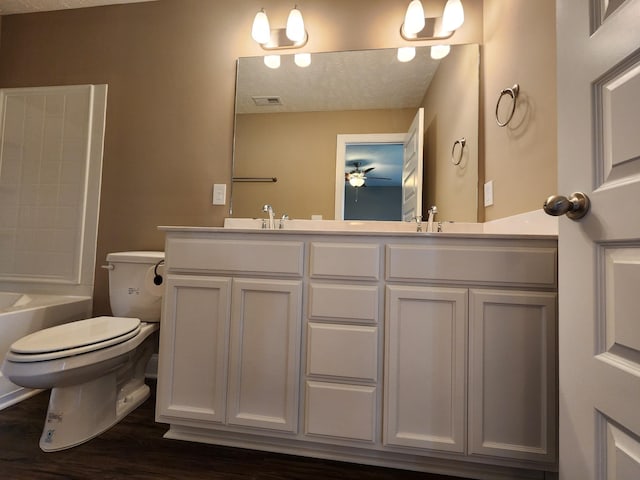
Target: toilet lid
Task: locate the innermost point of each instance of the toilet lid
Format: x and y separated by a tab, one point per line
83	335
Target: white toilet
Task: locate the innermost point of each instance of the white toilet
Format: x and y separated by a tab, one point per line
95	367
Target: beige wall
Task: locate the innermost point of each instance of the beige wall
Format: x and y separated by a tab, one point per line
451	113
299	149
170	67
519	47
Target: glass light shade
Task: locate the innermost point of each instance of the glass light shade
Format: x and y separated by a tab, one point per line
440	51
295	26
302	59
406	54
414	18
356	181
260	31
453	16
272	61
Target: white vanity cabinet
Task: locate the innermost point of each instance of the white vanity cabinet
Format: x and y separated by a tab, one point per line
426	352
231	343
498	362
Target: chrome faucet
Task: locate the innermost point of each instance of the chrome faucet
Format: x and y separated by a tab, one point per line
269	210
284	218
432	215
418	220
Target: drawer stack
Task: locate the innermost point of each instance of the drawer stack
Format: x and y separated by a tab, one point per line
343	342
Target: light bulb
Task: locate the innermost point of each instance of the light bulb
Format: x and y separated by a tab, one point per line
356	181
453	16
295	26
440	51
414	18
302	59
260	31
406	54
272	61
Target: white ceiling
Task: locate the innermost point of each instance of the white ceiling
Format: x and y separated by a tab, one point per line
356	80
10	7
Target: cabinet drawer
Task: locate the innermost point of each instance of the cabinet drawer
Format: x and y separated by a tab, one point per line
359	261
349	351
357	303
344	411
534	267
235	256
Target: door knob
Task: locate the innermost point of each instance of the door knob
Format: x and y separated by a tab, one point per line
576	206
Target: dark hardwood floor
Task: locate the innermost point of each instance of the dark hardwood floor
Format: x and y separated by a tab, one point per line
134	449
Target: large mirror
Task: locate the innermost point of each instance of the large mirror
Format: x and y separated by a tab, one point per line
289	120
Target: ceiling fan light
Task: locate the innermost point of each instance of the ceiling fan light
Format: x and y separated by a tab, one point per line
295	26
261	31
406	54
453	16
414	18
356	181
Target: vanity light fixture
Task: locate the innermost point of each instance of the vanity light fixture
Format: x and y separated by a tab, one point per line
261	31
295	26
440	51
414	20
406	54
302	59
453	15
272	61
293	35
418	28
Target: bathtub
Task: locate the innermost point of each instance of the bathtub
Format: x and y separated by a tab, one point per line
21	314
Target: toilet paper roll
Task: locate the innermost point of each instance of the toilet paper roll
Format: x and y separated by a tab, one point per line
149	286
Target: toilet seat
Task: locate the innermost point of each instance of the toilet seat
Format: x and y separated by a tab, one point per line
73	338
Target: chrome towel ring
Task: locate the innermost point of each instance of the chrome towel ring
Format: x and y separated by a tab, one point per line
462	142
513	93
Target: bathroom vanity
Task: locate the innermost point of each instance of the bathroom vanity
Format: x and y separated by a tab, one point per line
433	352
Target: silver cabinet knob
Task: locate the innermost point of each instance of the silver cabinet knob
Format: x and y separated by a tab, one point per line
576	206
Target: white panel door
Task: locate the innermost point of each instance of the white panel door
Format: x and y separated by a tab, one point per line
599	287
412	169
264	355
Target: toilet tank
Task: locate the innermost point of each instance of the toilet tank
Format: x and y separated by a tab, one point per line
132	291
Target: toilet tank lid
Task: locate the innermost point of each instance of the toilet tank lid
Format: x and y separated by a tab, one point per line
135	257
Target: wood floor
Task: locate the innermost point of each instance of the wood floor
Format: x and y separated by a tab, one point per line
134	449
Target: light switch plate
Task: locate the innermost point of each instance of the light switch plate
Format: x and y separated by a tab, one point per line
488	193
219	193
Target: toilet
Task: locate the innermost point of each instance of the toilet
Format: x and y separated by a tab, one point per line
95	367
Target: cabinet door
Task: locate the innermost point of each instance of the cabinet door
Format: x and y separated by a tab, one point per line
264	361
425	342
512	374
193	349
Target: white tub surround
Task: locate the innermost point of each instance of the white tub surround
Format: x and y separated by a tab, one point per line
430	352
51	145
